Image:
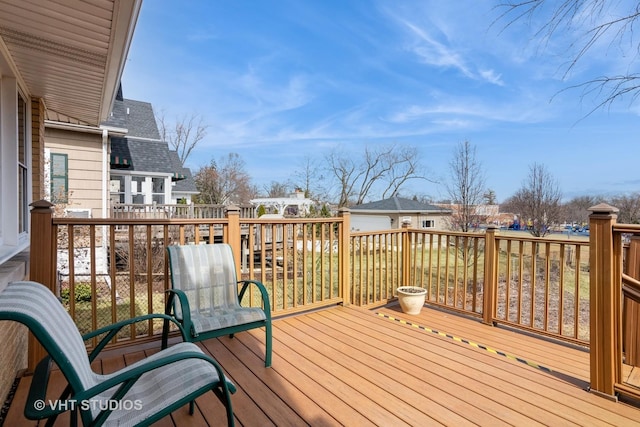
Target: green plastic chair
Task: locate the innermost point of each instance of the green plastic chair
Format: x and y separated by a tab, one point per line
138	394
204	297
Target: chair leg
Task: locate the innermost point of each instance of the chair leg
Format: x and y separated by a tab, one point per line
165	334
268	339
192	407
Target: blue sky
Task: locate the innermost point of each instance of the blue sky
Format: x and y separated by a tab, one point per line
279	81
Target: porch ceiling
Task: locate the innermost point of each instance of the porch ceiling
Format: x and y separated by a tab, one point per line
69	53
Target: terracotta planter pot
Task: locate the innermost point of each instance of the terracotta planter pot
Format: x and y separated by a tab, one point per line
411	299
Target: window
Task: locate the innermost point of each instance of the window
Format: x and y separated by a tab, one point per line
157	190
137	189
15	167
23	177
116	189
428	223
59	173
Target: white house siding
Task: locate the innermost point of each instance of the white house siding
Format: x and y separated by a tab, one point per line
440	222
84	151
370	222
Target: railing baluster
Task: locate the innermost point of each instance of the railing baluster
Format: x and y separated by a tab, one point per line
72	270
577	287
132	285
520	280
547	288
561	285
149	250
532	286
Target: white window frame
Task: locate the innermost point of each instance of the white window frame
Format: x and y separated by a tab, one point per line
428	223
146	188
13	239
158	194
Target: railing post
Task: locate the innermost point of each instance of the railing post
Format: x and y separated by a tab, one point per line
41	268
490	277
630	308
233	236
604	296
406	254
345	255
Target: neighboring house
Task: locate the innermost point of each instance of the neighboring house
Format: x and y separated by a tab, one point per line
480	214
143	169
77	165
54	57
183	189
123	160
394	212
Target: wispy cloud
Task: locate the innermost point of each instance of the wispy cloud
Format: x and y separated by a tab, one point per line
492	77
433	47
433	52
274	96
460	111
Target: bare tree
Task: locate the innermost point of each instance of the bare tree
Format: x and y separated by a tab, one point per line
577	209
404	163
538	201
584	24
310	179
629	206
466	186
183	135
385	170
277	189
344	170
224	182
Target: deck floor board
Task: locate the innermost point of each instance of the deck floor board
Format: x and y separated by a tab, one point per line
356	367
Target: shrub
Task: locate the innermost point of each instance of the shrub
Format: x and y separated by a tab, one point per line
82	293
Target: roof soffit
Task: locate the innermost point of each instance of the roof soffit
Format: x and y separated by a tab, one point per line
69	53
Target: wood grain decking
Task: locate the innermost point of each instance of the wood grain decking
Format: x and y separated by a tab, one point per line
356	367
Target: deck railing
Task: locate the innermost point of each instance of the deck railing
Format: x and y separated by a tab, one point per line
174	211
109	269
537	284
543	286
299	261
448	264
615	304
106	270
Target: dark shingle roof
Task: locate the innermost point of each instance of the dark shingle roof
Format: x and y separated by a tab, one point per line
135	116
144	156
186	185
118	116
398	204
142	147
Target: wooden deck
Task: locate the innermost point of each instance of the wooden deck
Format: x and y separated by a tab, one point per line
355	367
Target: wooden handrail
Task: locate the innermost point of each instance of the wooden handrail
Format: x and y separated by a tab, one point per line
631	287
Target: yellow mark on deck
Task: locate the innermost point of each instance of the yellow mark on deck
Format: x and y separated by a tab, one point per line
464	341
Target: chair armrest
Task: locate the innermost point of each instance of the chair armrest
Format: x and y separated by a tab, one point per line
185	321
266	305
127	378
112	330
36	407
184	307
